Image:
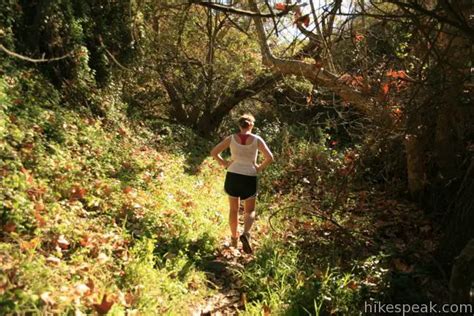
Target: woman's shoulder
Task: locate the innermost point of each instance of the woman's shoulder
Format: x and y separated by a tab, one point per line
260	141
258	138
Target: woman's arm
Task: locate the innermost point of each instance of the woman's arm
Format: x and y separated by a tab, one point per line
263	148
216	152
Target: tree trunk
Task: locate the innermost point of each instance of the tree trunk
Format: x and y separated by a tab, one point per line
314	73
462	276
209	123
416	169
454	133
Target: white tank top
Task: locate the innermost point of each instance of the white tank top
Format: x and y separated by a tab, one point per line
244	157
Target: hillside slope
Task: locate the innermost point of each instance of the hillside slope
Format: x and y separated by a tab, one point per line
88	203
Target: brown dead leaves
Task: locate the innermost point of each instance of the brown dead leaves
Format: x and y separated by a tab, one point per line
9	227
77	193
86	292
105	305
62	242
38	210
400	265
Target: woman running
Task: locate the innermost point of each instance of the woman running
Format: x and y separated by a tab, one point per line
241	178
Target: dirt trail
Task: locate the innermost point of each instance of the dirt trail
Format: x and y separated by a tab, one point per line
223	276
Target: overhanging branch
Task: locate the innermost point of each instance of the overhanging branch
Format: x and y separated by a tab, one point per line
34	60
310	71
230	9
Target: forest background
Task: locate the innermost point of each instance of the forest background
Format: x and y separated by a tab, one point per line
110	203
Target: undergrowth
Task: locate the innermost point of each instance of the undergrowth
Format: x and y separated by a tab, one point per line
113	214
98	214
336	243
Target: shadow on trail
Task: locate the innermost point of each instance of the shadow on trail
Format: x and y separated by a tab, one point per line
219	265
180	139
196	151
197	251
382	252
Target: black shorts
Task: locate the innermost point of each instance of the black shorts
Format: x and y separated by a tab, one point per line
239	185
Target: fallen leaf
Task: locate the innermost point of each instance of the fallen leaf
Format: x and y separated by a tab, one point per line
104	306
352	285
122	131
107	190
400	74
77	193
81	289
9	227
359	37
303	19
266	310
46	298
280	6
36	192
62	242
90	285
385	88
52	259
39	218
401	266
85	241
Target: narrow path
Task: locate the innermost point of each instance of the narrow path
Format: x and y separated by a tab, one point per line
223	276
224	279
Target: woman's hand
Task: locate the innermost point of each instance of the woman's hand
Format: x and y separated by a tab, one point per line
258	168
216	152
226	163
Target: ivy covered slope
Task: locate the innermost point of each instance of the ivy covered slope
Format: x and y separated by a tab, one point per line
97	214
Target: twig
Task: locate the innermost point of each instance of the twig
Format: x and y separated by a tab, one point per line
115	60
236	25
34	60
230	9
273	17
112	56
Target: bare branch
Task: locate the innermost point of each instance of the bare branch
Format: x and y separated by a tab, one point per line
459	24
101	42
236	25
273	17
310	71
230	9
34	60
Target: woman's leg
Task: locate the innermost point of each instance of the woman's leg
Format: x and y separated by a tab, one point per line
249	216
234	203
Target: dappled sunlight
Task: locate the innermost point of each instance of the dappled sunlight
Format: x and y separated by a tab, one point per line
354	157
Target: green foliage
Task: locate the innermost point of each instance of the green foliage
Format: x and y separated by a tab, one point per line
202	73
306	160
281	281
56	28
91	208
103	205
